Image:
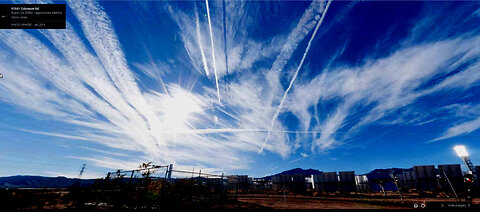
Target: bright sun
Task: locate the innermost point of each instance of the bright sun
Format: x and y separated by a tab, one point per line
178	109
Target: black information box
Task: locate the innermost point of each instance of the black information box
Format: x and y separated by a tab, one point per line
32	16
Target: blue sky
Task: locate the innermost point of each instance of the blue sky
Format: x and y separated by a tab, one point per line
253	87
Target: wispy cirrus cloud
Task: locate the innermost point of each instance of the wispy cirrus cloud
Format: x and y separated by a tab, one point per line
284	97
383	85
80	76
460	129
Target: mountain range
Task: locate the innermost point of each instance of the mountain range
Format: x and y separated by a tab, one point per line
25	181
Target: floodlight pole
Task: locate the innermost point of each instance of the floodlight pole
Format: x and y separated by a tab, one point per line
463	154
469	164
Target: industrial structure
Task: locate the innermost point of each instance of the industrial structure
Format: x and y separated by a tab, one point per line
446	178
426	178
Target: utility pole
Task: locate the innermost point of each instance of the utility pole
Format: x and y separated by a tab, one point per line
82	170
451	186
222	183
380	183
131	176
395	181
168	172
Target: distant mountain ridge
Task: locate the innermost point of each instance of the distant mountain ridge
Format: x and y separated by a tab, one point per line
26	181
306	172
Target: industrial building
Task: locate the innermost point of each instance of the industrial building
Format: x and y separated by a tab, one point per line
329	182
361	183
426	178
451	178
347	181
260	184
447	178
239	182
289	182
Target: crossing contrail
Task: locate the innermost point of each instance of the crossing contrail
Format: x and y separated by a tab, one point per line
199	41
225	37
233	130
280	106
213	51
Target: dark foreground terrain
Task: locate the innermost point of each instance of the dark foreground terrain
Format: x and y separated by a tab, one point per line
114	195
187	195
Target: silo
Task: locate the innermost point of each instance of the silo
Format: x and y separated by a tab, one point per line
297	183
317	182
347	181
243	182
330	181
232	182
215	184
410	179
361	182
280	182
452	173
426	178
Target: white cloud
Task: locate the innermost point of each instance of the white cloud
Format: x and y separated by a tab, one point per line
385	84
99	98
460	129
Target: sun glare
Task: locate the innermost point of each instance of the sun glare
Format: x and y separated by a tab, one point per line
178	110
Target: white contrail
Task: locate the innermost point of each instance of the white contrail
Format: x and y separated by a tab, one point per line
213	51
233	130
280	106
297	35
199	41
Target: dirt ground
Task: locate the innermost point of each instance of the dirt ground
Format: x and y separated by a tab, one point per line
303	203
343	202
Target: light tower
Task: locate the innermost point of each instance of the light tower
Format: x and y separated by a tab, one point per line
463	154
469	179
